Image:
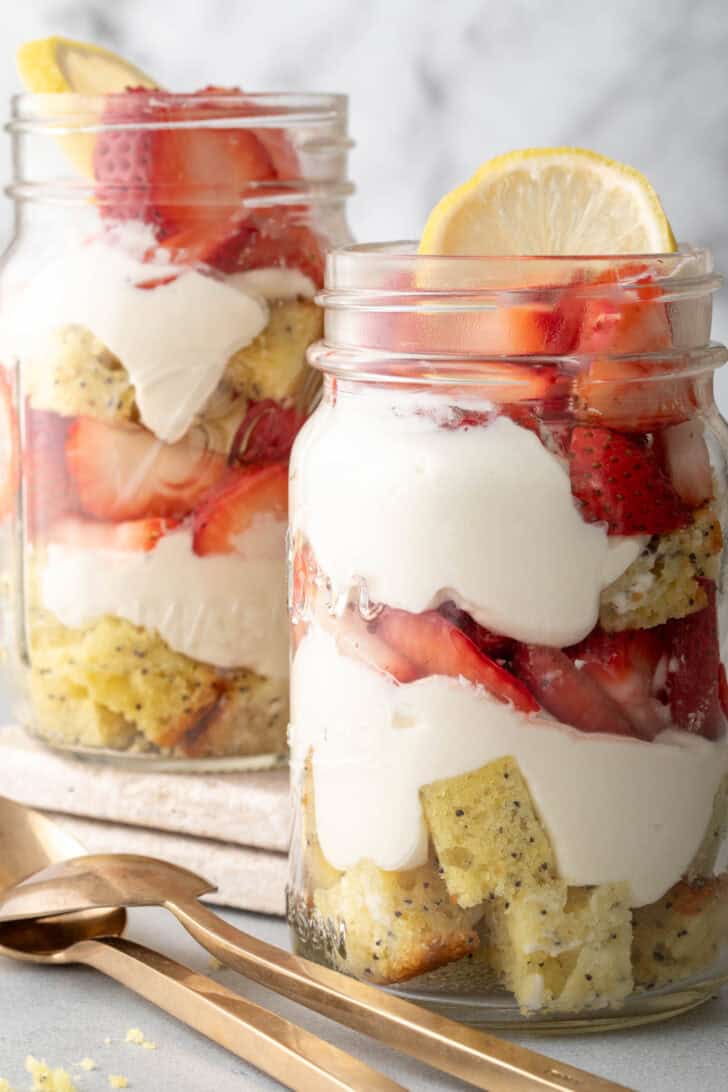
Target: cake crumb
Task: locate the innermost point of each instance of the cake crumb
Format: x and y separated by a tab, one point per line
107	1041
135	1035
117	1081
46	1079
148	1044
5	1086
88	1064
214	964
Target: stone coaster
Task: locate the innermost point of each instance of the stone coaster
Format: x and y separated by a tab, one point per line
246	809
248	879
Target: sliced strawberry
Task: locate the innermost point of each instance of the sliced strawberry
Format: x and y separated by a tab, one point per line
570	695
547	328
122	472
630	394
358	639
175	177
266	433
229	511
623	326
634	395
626	666
130	535
9	447
723	689
694	671
618	480
50	493
271	237
490	644
436	647
687	461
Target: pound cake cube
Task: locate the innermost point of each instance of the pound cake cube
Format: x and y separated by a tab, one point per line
273	365
391	926
125	670
559	948
664	581
487	836
65	713
250	717
73	373
682	933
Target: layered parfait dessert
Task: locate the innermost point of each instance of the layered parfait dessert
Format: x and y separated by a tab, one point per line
160	349
508	701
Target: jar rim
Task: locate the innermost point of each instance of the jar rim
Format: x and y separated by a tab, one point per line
386	275
38	113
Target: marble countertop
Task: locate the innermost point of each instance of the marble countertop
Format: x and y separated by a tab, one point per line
66	1014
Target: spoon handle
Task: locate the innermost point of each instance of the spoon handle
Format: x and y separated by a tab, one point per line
294	1056
481	1060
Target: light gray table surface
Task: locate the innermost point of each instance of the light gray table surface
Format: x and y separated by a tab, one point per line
65	1014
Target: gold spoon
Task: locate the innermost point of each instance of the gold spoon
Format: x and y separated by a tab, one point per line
107	880
294	1056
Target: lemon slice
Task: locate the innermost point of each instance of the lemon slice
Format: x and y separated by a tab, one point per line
51	66
550	201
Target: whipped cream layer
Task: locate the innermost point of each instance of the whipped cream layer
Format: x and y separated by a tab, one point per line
174	337
423	513
228	610
274	283
615	809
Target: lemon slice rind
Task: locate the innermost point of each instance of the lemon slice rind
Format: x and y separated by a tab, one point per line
58	66
550	201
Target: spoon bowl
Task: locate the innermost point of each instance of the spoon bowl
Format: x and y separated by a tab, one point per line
52	939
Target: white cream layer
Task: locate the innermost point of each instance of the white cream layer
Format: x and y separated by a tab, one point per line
615	809
422	514
274	283
174	339
228	610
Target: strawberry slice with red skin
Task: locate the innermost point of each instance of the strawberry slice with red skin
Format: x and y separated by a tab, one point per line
570	695
627	666
175	177
123	472
266	433
50	494
230	510
271	237
694	671
9	447
618	480
631	319
127	536
723	689
494	645
358	639
630	394
437	647
686	460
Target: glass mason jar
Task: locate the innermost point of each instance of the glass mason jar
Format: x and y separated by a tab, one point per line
508	731
156	305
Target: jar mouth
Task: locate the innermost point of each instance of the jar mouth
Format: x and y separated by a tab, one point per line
394	276
34	113
55	136
393	314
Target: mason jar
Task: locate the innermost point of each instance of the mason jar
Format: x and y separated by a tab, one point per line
508	721
156	304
